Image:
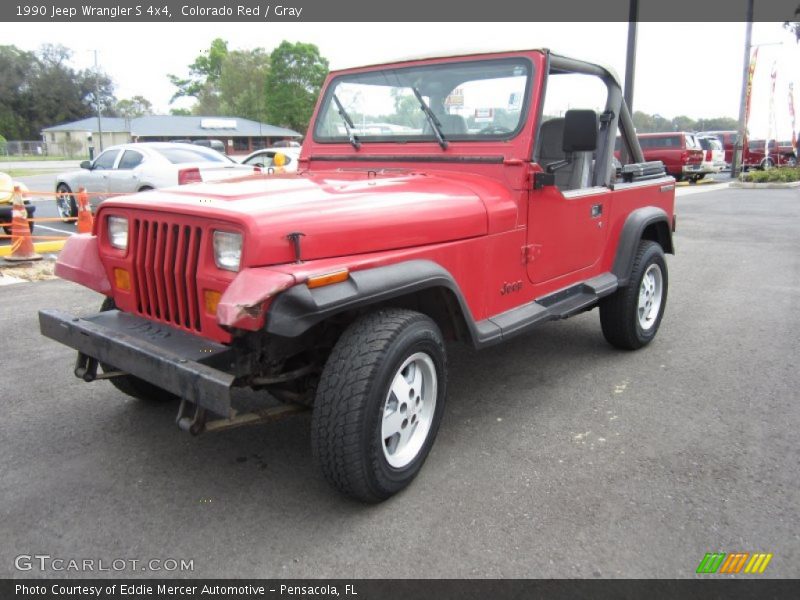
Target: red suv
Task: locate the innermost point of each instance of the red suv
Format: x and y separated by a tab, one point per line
680	152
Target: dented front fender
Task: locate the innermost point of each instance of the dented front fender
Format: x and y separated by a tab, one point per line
242	304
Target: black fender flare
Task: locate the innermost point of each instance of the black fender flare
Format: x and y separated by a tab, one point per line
632	232
299	308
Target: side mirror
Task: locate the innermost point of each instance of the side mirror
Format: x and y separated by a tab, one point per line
580	131
86	164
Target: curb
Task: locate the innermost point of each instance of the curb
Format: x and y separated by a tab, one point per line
774	185
39	248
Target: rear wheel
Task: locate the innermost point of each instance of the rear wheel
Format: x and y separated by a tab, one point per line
631	316
379	403
8	230
133	386
65	203
767	163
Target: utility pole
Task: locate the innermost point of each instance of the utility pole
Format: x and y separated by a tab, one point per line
630	60
97	102
736	161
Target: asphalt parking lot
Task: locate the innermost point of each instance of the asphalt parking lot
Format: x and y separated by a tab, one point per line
557	457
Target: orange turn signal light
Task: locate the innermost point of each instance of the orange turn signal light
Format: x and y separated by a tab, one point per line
211	298
122	279
327	279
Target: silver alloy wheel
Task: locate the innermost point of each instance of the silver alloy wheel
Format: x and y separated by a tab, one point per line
408	410
651	292
63	203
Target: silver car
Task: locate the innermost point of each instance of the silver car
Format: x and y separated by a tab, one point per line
131	168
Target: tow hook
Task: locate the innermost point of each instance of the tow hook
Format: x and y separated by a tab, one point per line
86	367
194	425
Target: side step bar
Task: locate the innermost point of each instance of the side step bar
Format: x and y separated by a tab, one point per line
558	305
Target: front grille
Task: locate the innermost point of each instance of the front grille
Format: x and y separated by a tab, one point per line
165	261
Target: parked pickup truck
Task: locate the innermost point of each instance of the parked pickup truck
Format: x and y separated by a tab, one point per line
335	288
680	152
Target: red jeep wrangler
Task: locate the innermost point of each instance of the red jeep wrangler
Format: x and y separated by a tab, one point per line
434	202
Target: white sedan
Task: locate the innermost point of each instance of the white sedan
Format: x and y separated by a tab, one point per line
264	159
131	168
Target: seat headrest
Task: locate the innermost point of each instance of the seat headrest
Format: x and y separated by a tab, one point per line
451	125
551	138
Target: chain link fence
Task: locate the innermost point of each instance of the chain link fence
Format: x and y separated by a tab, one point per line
67	149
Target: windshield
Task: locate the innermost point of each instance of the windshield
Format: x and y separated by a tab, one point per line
474	100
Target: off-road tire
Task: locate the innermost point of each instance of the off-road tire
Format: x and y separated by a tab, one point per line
133	386
619	316
346	436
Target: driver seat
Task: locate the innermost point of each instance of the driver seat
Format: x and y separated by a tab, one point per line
451	125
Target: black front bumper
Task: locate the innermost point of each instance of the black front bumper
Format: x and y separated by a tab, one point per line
184	364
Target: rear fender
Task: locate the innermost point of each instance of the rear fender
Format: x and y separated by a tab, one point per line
648	222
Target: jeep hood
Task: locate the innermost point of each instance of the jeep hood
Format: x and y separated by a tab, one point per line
339	213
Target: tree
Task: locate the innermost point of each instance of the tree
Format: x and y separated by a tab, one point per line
40	89
241	84
180	112
297	72
226	82
204	73
16	66
130	108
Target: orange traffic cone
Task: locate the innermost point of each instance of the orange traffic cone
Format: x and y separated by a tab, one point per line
85	219
21	243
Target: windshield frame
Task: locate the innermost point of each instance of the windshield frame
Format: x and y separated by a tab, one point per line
327	100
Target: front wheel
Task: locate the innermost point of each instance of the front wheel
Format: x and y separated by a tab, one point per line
630	317
379	403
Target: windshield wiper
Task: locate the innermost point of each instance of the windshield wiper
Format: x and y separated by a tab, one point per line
348	123
435	124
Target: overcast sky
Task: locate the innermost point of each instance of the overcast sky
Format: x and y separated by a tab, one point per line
692	69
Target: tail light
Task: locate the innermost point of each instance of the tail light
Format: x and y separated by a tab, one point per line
708	155
685	156
189	176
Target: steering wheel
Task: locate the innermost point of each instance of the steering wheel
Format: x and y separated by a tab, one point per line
494	130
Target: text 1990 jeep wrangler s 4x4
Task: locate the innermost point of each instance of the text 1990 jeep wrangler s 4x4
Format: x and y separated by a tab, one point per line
436	199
